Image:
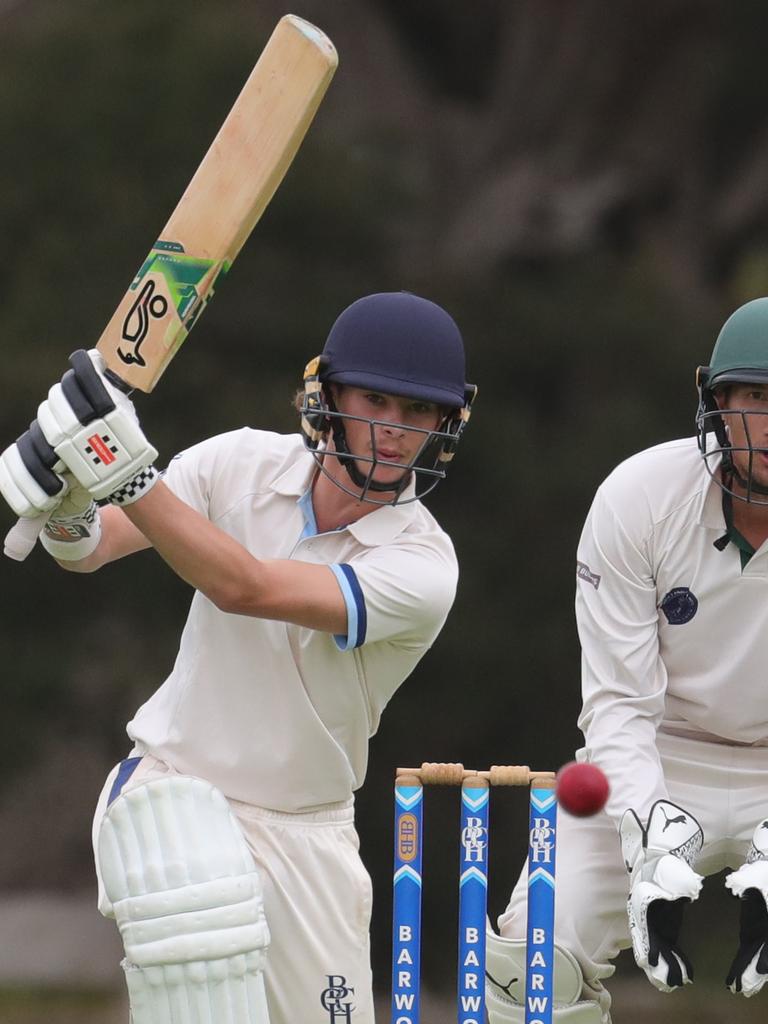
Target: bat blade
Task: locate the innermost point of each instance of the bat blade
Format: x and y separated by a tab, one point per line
219	208
222	203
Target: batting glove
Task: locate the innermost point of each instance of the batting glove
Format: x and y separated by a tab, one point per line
93	428
46	497
749	969
73	529
659	857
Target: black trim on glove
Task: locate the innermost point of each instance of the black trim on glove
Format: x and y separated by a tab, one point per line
664	918
753	933
84	389
39	459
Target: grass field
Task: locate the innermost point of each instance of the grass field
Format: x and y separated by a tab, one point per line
19	1006
36	942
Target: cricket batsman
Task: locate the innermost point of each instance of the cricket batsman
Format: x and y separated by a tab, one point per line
672	614
225	842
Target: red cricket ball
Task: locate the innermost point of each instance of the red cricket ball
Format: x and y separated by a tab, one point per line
582	789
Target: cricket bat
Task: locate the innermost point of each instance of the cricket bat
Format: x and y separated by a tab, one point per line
218	210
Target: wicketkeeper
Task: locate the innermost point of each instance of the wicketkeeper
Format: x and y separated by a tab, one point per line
672	612
320	581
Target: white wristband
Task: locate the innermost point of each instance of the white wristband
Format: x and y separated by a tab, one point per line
71	538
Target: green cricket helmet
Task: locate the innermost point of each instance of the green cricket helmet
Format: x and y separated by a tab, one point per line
740	356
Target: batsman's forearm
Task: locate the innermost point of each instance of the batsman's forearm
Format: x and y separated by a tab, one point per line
196	550
214	563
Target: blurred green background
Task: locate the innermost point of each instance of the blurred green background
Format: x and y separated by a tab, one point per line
584	186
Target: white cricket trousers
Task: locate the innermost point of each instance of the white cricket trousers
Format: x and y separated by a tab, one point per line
725	787
317	901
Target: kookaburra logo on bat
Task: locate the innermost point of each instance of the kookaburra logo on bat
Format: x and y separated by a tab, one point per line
148	304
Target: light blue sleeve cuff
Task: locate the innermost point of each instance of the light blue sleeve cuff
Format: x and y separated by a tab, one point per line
357	619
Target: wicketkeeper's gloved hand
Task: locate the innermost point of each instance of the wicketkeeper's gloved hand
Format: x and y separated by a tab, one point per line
749	970
659	857
92	427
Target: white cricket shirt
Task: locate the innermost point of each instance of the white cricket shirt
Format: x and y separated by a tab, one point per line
275	714
674	633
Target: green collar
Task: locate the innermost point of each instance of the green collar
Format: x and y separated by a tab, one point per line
745	548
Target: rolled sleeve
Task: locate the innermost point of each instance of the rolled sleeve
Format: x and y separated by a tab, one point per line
357	619
397	594
407	591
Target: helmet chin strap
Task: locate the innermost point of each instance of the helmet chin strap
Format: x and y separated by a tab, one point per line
729	468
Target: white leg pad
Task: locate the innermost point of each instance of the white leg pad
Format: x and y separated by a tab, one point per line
505	985
226	991
187	899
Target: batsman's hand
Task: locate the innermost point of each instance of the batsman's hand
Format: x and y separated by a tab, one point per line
43	494
749	970
660	857
92	427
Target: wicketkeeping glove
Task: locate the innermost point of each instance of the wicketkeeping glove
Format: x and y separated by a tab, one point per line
659	857
749	970
92	426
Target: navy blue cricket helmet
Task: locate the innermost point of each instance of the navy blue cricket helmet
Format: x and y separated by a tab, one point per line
399	344
395	343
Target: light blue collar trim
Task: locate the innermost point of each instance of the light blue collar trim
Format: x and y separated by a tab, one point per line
375	528
310	523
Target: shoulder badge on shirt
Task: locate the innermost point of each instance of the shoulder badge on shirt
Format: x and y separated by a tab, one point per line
583	572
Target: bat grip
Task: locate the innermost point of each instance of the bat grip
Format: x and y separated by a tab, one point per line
118	382
22	537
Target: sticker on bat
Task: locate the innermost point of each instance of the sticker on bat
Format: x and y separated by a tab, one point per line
172	285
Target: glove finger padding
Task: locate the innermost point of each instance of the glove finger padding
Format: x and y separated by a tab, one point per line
28	481
659	857
669	964
749	970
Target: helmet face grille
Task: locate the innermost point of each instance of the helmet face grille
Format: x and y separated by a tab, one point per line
321	420
398	344
419	476
734	475
740	356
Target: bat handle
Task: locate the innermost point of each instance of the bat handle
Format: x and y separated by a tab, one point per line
22	537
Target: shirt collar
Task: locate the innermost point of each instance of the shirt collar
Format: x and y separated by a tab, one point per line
711	501
383	525
376	528
307	510
297	478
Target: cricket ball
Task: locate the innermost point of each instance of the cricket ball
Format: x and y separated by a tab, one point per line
582	789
